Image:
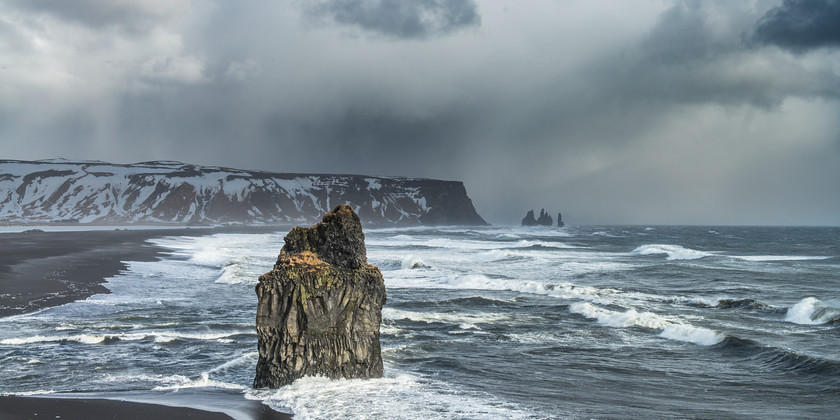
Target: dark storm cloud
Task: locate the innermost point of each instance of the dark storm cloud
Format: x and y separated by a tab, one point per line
801	25
689	57
642	112
400	19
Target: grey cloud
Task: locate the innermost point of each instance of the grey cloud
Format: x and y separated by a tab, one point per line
689	57
99	14
674	119
400	19
801	25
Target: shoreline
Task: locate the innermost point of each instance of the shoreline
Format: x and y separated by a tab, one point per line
13	407
40	270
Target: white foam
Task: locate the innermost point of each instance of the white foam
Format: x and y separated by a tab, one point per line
464	320
811	311
80	338
398	395
202	382
525	243
674	252
671	329
159	337
412	263
629	318
692	334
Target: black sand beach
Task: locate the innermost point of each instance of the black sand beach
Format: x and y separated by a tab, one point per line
44	269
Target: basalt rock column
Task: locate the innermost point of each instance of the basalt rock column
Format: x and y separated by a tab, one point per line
320	308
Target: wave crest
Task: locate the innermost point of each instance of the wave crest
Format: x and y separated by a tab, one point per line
812	311
674	252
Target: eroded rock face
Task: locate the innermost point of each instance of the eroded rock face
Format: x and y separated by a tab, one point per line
320	308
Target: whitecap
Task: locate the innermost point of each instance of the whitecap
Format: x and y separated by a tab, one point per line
202	382
811	311
692	334
674	252
671	329
629	318
458	318
412	263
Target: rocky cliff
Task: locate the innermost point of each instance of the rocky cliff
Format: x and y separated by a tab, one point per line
173	192
320	308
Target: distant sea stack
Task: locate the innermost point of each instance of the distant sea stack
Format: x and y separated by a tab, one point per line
544	219
529	219
320	308
165	192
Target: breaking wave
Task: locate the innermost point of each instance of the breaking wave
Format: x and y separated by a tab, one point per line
674	252
812	311
631	318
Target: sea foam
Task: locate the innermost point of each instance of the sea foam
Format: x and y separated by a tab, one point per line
674	252
398	395
811	311
672	330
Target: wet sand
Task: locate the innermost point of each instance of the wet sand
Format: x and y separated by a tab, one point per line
43	269
14	408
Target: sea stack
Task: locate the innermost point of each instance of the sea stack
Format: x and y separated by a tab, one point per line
529	219
544	219
320	308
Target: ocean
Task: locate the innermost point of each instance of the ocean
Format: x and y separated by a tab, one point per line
482	322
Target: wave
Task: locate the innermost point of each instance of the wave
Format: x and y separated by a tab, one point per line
781	359
202	382
542	245
812	311
397	395
731	303
159	337
413	263
674	252
464	320
741	304
766	258
631	318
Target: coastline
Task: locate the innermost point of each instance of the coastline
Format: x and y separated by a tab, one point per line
43	269
40	269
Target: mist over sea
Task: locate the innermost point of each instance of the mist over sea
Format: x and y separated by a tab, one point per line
482	322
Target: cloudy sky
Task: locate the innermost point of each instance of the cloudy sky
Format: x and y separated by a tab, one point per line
644	112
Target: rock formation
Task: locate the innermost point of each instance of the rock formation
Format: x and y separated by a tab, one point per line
320	308
544	219
62	191
529	219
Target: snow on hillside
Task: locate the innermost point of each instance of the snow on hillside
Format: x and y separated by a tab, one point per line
173	192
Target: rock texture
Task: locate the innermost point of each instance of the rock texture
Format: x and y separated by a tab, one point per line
320	308
529	219
62	191
544	219
560	220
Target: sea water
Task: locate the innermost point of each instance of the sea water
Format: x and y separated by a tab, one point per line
492	322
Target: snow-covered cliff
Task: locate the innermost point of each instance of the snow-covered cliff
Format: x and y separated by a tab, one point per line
172	192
